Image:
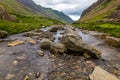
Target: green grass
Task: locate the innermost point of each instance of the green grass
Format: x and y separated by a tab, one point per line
109	28
26	23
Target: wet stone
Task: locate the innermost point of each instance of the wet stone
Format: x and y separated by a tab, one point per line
100	74
15	62
86	55
40	53
20	57
37	75
31	41
46	43
26	78
10	76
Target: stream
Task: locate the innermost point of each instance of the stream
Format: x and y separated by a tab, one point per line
21	61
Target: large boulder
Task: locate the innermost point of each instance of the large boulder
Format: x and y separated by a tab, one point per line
55	28
3	34
74	43
100	74
47	35
45	44
57	48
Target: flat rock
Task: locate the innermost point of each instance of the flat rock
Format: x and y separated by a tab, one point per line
15	43
100	74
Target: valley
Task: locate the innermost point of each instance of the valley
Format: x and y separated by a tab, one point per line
39	43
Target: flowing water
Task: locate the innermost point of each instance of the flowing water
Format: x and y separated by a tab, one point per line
20	61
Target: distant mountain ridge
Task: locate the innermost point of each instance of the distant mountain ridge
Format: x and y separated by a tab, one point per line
46	11
28	7
102	10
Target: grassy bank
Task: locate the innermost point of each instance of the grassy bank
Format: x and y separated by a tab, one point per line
26	23
110	28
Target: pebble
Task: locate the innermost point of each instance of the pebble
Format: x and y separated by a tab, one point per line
26	78
40	52
15	62
37	75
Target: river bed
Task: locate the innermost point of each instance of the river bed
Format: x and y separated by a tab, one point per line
19	62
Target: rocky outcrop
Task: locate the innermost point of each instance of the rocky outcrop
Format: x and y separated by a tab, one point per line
4	15
3	34
75	44
100	74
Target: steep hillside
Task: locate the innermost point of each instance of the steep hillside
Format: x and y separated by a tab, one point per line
102	10
45	11
29	8
16	18
103	16
4	15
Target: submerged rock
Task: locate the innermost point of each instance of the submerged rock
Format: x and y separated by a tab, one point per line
75	43
15	43
46	43
3	34
57	48
100	74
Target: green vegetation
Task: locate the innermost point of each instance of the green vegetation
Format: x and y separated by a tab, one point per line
101	16
110	28
26	23
100	11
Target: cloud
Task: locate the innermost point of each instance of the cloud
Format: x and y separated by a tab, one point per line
72	8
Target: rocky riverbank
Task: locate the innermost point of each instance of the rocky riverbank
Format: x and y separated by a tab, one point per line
57	53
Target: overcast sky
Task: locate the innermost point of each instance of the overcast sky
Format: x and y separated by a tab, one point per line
72	8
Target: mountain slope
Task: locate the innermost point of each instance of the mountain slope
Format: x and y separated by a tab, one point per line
102	10
17	18
29	8
45	11
4	15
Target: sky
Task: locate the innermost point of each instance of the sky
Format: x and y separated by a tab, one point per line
72	8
